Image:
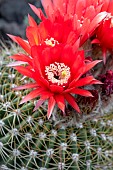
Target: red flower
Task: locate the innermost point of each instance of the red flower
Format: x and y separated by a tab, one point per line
57	73
48	34
85	15
65	24
58	9
104	33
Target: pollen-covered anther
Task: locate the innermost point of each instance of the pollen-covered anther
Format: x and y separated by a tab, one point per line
52	42
58	73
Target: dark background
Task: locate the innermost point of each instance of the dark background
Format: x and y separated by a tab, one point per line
13	17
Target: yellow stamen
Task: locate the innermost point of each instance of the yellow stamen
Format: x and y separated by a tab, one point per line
52	42
64	73
58	73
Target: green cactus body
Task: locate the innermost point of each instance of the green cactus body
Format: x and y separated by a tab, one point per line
28	141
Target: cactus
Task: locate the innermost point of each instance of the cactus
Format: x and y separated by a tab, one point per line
29	141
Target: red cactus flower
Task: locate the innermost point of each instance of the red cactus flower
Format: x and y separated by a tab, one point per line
57	73
85	15
64	24
104	35
48	33
58	9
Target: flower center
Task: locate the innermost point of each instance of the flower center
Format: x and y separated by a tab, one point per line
52	42
58	73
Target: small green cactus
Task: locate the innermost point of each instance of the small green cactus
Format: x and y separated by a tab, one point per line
29	141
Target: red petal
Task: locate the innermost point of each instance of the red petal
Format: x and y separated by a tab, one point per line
45	29
56	89
36	61
71	7
94	23
32	35
46	57
48	7
46	94
56	52
39	67
90	12
92	26
43	57
80	6
33	94
96	82
22	57
38	12
104	50
78	63
21	42
60	102
44	82
12	37
24	71
71	37
110	8
26	86
91	65
57	32
82	82
76	24
105	5
84	28
66	55
82	92
51	104
38	104
76	45
72	102
32	21
95	41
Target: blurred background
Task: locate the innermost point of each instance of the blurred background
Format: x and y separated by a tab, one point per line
13	17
